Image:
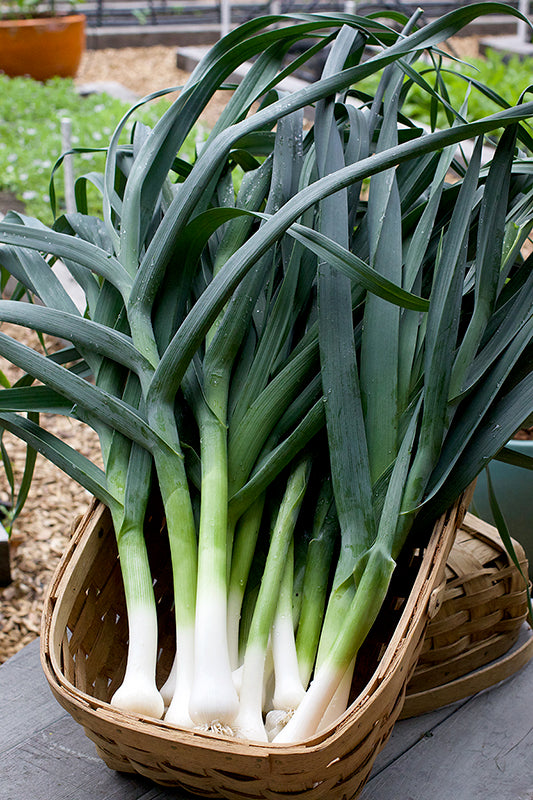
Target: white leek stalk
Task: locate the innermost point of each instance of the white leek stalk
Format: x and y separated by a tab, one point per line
183	550
249	722
214	701
362	614
169	687
138	693
178	710
288	691
129	469
340	700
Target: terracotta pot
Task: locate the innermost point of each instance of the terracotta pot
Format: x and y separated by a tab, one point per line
43	47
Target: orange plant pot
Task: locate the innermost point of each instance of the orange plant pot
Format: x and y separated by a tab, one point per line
42	48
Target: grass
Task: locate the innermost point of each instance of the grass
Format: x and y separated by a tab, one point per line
507	76
30	135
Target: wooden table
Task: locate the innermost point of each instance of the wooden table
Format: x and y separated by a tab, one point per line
477	749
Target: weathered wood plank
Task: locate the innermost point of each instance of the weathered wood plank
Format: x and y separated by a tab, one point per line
407	733
480	751
26	703
60	762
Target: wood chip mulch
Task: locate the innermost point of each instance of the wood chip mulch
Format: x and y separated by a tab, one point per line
143	70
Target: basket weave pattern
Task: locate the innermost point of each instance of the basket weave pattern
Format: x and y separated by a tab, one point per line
484	605
83	651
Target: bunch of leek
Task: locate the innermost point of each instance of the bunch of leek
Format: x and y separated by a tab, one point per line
307	341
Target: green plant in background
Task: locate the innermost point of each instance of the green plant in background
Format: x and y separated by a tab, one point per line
141	15
28	9
30	135
490	81
305	373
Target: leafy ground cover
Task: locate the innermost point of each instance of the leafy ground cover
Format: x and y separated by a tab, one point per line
505	75
30	134
501	74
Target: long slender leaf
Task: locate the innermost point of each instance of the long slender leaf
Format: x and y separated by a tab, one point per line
353	267
510	411
488	252
59	244
156	256
110	410
84	333
36	398
272	464
80	468
187	339
340	382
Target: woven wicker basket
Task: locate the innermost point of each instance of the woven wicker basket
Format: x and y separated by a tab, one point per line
83	647
482	610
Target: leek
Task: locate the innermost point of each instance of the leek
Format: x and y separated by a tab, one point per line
305	373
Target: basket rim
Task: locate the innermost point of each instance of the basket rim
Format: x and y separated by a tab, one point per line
430	574
485	532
